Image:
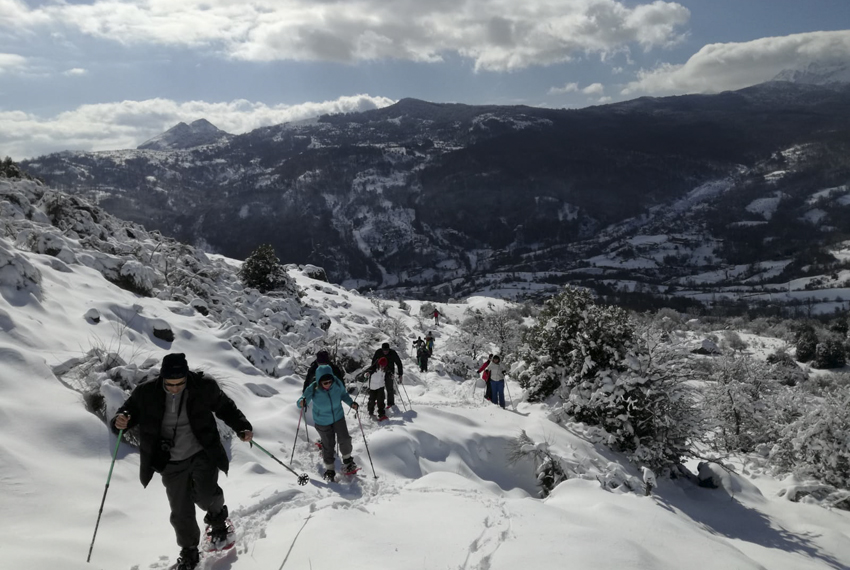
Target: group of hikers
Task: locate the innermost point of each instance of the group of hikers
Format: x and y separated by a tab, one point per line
179	439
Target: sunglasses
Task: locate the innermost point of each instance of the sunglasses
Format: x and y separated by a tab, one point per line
174	385
327	382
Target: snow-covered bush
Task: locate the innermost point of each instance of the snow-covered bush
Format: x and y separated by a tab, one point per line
16	272
806	343
816	444
547	467
647	408
573	339
739	400
829	353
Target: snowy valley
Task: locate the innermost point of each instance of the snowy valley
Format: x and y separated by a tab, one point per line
91	304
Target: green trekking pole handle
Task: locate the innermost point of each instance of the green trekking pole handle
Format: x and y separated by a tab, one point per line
103	501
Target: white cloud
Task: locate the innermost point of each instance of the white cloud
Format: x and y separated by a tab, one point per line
568	88
11	61
127	124
76	71
594	89
498	35
721	67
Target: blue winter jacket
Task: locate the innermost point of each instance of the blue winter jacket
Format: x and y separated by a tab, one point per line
327	404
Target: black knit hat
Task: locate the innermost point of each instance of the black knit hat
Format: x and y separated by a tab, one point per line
322	357
385	346
174	365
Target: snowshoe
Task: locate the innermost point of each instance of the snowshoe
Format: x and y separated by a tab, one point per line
383	418
329	476
220	537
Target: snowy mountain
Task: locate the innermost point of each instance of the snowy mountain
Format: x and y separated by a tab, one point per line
183	136
444	200
817	73
88	301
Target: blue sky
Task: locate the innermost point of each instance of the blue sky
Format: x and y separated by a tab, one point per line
109	74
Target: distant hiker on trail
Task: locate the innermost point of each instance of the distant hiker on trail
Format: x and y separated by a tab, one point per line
178	439
327	393
322	357
497	381
436	318
422	356
485	375
429	343
377	383
418	343
392	359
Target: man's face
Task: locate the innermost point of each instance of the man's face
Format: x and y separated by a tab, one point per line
386	350
175	385
326	384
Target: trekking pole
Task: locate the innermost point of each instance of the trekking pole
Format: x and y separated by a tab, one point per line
398	393
300	415
474	387
409	404
302	479
367	446
103	501
509	394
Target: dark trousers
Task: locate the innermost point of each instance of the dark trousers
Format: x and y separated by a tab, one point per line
389	383
191	482
423	363
488	391
329	435
376	397
498	392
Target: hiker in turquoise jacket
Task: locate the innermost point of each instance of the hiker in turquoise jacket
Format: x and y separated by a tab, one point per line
327	393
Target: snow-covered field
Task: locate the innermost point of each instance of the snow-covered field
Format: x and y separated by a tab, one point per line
436	490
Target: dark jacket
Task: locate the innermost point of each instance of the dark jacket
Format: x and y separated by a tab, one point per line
310	377
146	407
392	358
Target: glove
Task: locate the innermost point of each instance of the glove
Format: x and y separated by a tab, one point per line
355	406
302	404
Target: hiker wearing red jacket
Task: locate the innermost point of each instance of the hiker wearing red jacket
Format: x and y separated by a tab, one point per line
486	377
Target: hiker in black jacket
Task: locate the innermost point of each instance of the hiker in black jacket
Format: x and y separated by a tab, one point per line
178	438
392	358
322	357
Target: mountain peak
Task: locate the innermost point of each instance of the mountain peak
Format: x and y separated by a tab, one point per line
183	136
817	73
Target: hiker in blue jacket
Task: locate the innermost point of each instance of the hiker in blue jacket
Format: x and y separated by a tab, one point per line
327	393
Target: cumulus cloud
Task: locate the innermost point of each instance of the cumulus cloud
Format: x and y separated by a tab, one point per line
594	89
722	67
568	88
10	61
498	35
126	124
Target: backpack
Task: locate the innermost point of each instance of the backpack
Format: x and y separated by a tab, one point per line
486	375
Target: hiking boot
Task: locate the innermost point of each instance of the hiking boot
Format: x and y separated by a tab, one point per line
189	559
220	537
383	417
329	475
348	465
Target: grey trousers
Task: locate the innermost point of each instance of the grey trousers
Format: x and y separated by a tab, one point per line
191	482
329	434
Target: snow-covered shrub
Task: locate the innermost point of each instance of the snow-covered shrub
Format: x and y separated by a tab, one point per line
548	469
572	339
785	368
806	343
17	272
739	402
645	405
829	353
262	271
817	443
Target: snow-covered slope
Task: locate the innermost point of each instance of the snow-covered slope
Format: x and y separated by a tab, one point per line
182	136
436	489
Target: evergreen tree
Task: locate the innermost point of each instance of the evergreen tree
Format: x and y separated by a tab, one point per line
807	342
263	271
571	340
